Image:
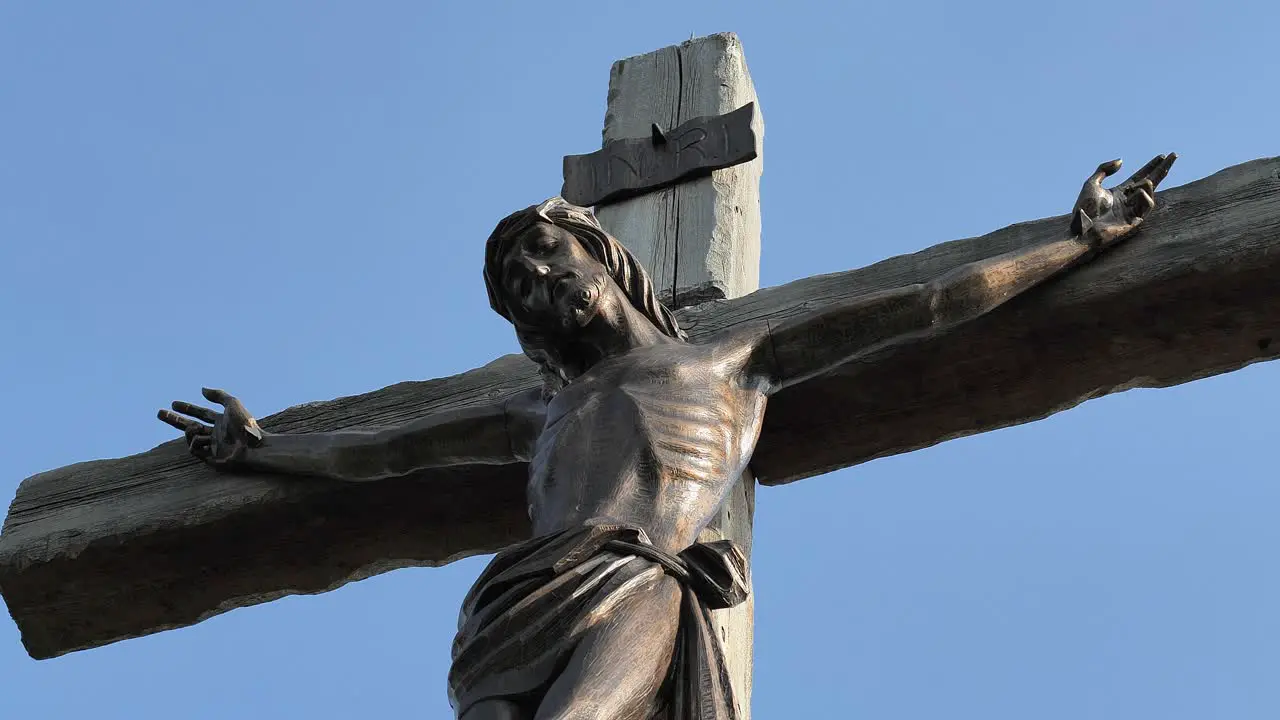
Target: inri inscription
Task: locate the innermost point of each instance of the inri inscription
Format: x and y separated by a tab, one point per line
629	167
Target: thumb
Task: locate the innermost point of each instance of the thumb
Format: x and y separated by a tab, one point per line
1106	169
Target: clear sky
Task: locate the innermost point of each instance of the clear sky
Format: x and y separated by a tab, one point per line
289	200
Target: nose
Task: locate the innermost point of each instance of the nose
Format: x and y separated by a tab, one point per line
533	289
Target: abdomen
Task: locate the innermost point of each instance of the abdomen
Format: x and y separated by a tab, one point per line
649	456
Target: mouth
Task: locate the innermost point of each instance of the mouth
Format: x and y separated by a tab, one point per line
562	289
576	298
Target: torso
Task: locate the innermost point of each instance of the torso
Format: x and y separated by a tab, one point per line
655	438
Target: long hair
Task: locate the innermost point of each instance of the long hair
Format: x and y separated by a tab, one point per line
621	265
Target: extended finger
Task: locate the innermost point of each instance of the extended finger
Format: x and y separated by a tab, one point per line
240	417
1162	169
1146	170
195	411
239	414
214	395
1106	169
236	409
186	425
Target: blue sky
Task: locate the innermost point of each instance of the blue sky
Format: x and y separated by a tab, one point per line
289	200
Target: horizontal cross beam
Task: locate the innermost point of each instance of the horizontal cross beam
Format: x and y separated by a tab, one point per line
111	549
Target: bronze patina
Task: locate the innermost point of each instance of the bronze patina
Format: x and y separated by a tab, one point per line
632	442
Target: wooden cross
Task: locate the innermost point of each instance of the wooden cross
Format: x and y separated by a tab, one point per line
107	550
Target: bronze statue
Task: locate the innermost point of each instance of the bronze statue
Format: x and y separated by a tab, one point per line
632	443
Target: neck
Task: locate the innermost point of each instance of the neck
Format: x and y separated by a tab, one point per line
616	330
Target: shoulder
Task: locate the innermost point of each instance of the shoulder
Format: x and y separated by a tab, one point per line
743	350
526	413
738	338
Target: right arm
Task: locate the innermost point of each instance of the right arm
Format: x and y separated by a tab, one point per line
801	347
491	434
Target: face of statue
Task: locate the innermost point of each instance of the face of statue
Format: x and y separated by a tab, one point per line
552	282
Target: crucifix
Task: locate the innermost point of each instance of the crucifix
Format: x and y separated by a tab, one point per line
897	356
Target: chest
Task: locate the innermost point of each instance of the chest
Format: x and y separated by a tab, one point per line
673	380
656	413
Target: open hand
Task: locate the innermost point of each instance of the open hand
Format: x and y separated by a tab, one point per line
229	434
1104	217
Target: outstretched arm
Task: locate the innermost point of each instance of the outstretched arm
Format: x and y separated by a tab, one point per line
807	345
496	433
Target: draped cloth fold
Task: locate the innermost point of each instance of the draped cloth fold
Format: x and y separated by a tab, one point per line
525	615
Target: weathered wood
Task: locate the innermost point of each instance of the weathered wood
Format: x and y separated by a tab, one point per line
711	251
699	239
110	549
632	166
1196	293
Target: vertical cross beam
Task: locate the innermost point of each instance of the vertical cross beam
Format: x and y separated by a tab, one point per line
699	239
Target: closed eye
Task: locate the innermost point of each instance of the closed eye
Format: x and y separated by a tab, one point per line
541	245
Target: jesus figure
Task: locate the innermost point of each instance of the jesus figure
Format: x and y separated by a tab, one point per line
633	443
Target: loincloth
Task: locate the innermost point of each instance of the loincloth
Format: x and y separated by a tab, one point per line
526	613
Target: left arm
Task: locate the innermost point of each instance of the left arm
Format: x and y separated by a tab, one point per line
808	345
490	433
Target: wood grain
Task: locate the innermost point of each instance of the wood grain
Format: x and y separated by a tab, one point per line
699	239
110	549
